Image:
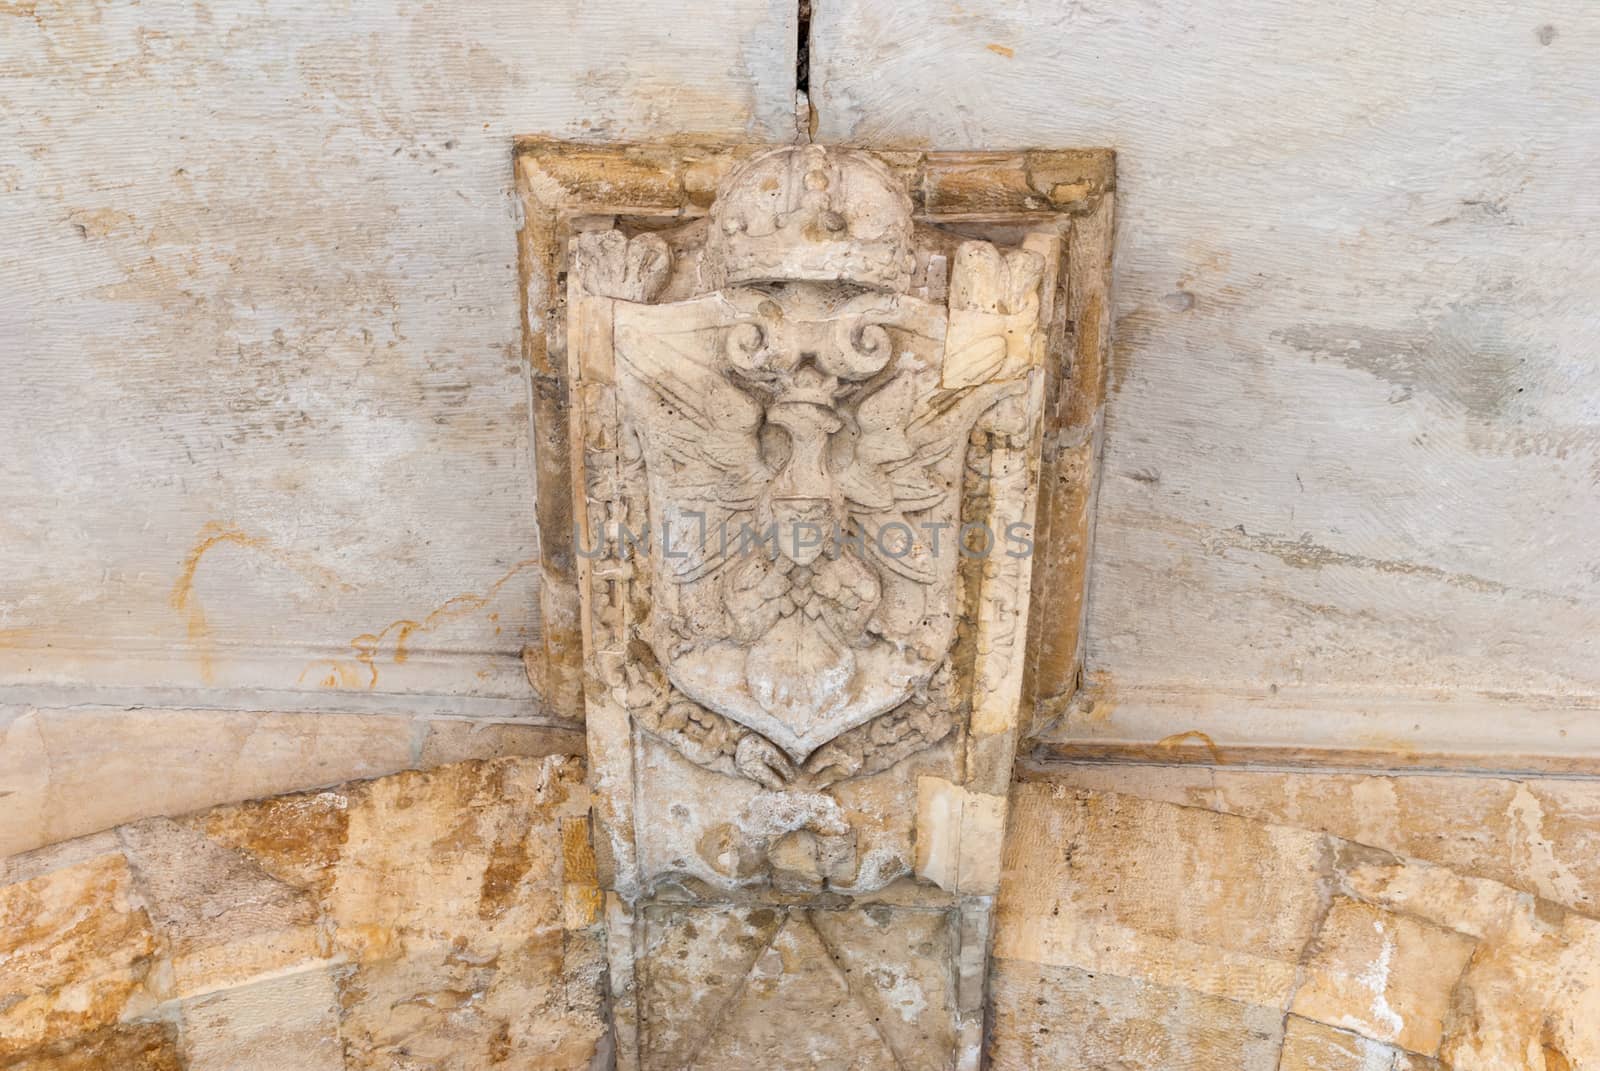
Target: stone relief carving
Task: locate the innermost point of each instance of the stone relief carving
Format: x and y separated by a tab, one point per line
805	432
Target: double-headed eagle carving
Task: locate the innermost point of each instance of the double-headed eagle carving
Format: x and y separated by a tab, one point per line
799	421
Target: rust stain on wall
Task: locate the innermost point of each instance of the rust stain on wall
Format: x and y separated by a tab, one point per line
1191	738
182	599
396	636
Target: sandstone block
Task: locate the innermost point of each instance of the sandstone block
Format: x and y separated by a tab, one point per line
76	947
223	919
1048	1017
1172	895
1312	1046
1384	976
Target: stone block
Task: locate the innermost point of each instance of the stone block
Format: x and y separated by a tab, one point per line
1312	1046
1049	1017
284	1023
1172	895
76	949
780	988
222	918
1384	976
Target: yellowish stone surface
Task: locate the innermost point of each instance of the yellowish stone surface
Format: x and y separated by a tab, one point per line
422	920
450	920
1153	918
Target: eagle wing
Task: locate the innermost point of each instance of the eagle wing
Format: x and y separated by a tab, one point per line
702	452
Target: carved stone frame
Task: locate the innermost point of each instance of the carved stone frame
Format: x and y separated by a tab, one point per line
561	184
566	189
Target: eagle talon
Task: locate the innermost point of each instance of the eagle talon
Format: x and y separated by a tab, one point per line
761	761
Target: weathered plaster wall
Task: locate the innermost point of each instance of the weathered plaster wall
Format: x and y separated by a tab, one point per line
1353	448
266	417
265	433
269	449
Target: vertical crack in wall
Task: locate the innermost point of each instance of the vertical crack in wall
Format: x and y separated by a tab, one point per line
802	52
805	113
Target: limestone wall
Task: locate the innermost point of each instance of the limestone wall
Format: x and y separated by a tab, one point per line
1353	443
267	425
441	920
1156	918
266	500
1151	918
266	523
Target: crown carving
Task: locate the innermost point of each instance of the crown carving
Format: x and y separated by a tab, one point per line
810	213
